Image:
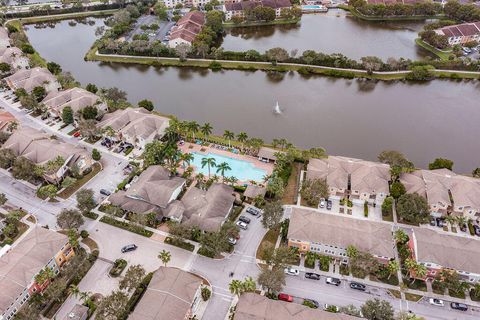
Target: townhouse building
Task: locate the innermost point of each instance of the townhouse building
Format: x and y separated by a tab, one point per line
461	33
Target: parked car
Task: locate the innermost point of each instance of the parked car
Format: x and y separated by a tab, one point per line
459	306
333	281
76	134
433	223
232	241
313	276
291	271
463	228
128	248
105	192
253	211
313	302
476	229
242	225
330	307
322	203
440	222
358	286
285	297
436	302
244	219
329	204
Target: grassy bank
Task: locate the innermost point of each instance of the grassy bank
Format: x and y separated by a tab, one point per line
261	24
377	18
442	55
65	16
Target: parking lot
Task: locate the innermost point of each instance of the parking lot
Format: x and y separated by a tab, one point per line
147	20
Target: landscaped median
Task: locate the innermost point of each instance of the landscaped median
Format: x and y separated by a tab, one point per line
127	226
303	69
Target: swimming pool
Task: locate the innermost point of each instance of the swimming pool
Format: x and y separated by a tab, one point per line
242	170
314	8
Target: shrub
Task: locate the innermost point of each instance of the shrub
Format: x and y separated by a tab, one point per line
206	293
309	304
215	66
180	243
90	215
117	267
96	155
48	191
126	226
84	234
205	252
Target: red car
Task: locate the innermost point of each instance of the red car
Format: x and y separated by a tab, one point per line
285	297
76	134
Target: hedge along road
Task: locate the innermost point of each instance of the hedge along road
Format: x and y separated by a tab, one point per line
242	65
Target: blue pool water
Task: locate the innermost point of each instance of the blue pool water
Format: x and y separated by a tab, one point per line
312	7
242	170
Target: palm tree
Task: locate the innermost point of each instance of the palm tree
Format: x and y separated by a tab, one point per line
44	275
393	266
476	290
200	177
193	127
186	158
222	167
242	137
461	221
451	220
236	287
209	162
351	251
165	256
74	290
249	285
233	180
275	143
206	130
229	135
84	296
420	272
266	178
401	236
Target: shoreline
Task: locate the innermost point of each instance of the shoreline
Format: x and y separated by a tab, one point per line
359	15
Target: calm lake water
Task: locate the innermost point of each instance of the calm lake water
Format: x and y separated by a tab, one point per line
332	32
347	117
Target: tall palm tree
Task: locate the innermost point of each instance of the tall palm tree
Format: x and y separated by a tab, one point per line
209	162
222	167
165	256
461	221
233	180
186	159
229	135
84	296
44	275
206	130
242	137
420	272
249	285
236	287
193	127
393	266
74	290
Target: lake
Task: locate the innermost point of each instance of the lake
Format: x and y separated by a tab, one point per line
348	117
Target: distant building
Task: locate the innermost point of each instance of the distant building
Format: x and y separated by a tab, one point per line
445	191
30	78
171	294
14	57
252	306
362	181
6	118
238	8
392	2
461	33
75	98
154	190
331	234
187	28
40	148
439	252
40	248
79	312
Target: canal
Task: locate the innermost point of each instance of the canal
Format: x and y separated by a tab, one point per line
333	32
347	117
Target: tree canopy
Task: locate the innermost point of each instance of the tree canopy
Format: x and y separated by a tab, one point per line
413	208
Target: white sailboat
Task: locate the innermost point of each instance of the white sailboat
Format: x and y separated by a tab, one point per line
277	109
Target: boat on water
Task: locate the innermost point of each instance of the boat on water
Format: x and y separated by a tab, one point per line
277	109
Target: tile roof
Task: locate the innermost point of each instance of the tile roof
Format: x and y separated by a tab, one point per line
268	153
169	295
449	251
188	26
25	259
252	306
253	191
28	79
464	29
365	235
76	98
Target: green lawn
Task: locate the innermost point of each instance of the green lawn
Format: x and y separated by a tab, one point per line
67	192
270	239
443	55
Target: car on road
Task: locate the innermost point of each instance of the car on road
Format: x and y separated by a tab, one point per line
128	248
291	271
322	203
244	219
358	286
285	297
333	281
313	276
311	302
436	302
330	307
105	192
232	241
76	134
253	211
242	225
329	204
440	222
458	306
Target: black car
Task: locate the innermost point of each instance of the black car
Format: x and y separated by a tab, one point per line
476	229
313	276
463	228
358	286
433	223
313	302
128	248
105	192
253	211
440	222
459	306
244	219
329	204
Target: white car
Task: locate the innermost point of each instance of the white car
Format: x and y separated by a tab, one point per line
322	203
291	271
232	241
436	302
242	225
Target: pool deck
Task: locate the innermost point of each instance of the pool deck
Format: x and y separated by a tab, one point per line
192	147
